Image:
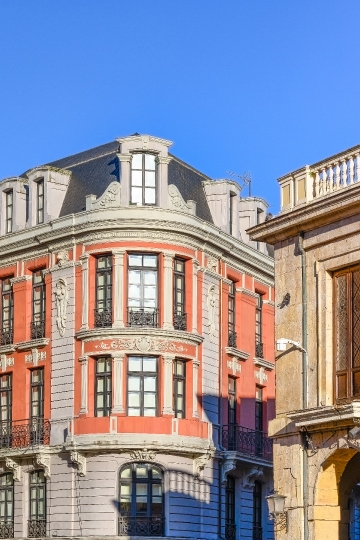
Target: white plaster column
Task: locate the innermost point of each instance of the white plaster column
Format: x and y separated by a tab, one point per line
118	371
118	255
196	365
125	175
85	291
84	384
168	384
162	180
168	297
195	291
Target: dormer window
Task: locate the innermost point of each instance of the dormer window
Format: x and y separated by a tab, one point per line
143	179
40	201
9	211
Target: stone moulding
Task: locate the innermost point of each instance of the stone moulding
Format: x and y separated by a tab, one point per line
260	362
80	460
133	335
251	476
237	353
200	463
15	467
349	412
32	344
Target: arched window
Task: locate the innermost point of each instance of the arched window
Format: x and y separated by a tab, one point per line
141	500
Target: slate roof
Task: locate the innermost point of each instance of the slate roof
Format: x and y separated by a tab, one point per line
94	169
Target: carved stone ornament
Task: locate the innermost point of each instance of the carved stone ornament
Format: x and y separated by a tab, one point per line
212	264
200	462
14	467
261	375
143	455
251	476
35	356
234	365
6	361
44	461
61	298
62	257
109	199
176	201
211	304
143	344
227	465
80	461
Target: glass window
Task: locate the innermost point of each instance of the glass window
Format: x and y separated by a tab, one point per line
5	399
231	400
37	393
231	315
179	294
142	386
7	504
258	327
38	305
142	290
9	211
230	500
143	179
37	499
257	510
40	201
103	310
179	367
7	311
103	386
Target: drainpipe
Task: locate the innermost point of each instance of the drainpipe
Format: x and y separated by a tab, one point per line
305	482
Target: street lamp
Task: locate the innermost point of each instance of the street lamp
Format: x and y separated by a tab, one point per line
282	342
277	512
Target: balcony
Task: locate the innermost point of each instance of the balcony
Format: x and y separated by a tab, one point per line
257	533
36	528
23	433
141	526
6	529
259	350
37	329
230	531
180	321
247	441
232	339
143	317
6	336
102	317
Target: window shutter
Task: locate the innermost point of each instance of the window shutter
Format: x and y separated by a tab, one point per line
342	327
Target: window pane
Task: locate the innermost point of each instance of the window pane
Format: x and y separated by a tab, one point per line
150	278
134	400
149	412
134	364
149	400
149	195
136	178
135	292
149	364
126	473
134	383
156	472
135	275
141	471
149	292
133	412
136	195
150	179
135	260
150	384
149	161
356	383
342	386
150	260
136	162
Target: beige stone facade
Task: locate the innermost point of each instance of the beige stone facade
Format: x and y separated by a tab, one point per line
316	461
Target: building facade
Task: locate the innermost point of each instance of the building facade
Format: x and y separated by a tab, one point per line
136	350
316	435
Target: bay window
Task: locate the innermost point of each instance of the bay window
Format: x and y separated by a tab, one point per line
143	179
142	290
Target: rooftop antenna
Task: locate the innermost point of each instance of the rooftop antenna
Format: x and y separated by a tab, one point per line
245	178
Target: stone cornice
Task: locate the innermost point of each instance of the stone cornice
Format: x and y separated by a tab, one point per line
136	333
32	344
260	362
349	412
237	353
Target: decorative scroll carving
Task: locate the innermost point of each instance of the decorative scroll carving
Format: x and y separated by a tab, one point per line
211	304
143	344
143	455
80	461
61	298
212	264
227	465
62	257
44	461
261	375
176	201
234	365
6	361
35	356
200	462
109	199
15	467
251	476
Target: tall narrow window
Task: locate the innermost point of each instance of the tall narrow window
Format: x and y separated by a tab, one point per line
7	311
257	510
259	346
179	388
347	333
103	386
9	211
179	294
231	315
230	527
5	403
37	404
6	505
143	179
231	400
37	496
259	421
142	290
38	305
141	500
40	201
142	386
103	310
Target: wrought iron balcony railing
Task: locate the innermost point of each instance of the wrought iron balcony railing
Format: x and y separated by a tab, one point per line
247	441
37	329
257	533
6	529
180	321
23	433
141	526
6	336
259	350
36	528
232	339
230	531
143	317
103	317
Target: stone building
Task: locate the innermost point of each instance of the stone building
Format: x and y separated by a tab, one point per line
136	350
316	431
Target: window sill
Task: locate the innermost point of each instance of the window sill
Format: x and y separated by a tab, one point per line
260	362
348	414
237	353
32	344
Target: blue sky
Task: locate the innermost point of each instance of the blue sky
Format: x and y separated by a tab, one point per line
244	85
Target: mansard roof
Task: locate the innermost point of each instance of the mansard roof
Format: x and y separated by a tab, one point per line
93	170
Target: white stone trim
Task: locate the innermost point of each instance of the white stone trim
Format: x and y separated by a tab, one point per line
196	267
260	362
84	360
237	353
15	467
118	370
80	460
168	290
118	255
247	291
85	291
196	365
168	360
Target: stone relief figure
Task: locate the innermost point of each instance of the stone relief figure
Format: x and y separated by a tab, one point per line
61	299
211	303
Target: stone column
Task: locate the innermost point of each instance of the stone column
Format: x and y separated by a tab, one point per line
84	384
195	290
85	291
196	365
168	384
162	180
118	256
168	291
118	371
125	176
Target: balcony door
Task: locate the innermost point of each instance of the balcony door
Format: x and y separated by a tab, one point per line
5	410
6	505
142	290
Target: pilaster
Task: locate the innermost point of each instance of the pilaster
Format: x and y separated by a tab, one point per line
118	256
196	365
118	370
168	394
84	360
125	175
85	291
168	291
194	298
